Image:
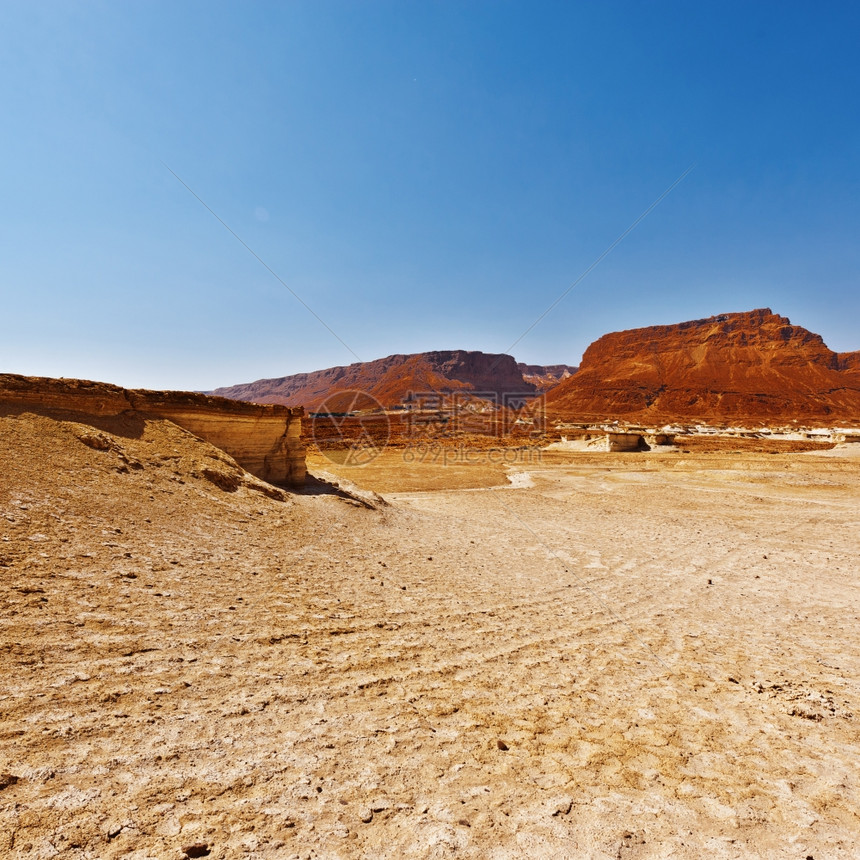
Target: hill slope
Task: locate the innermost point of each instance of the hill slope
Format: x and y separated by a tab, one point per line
391	379
754	365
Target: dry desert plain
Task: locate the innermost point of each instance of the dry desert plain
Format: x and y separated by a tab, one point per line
574	656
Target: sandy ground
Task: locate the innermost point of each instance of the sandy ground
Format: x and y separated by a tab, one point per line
616	656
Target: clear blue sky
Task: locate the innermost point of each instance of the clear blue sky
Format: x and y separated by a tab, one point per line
425	175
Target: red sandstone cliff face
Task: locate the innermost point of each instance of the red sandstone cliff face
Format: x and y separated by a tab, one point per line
753	365
390	380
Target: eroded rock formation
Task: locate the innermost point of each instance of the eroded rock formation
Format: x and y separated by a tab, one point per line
264	439
739	366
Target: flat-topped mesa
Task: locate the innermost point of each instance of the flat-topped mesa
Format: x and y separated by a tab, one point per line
754	365
264	439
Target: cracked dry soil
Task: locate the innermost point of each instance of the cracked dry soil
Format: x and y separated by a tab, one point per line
628	656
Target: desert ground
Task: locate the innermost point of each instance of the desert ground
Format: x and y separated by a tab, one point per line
563	656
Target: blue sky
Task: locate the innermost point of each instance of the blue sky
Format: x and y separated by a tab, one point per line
425	175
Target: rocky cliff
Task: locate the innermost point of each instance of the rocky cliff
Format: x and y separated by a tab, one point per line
390	380
753	366
545	376
264	440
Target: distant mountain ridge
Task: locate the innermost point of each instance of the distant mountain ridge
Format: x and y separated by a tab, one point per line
752	365
544	376
390	380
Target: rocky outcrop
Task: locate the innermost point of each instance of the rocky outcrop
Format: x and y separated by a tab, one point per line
264	439
739	366
545	376
849	360
390	380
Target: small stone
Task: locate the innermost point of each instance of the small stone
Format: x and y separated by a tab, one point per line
560	805
366	815
198	849
95	441
380	805
464	822
502	745
114	830
7	779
